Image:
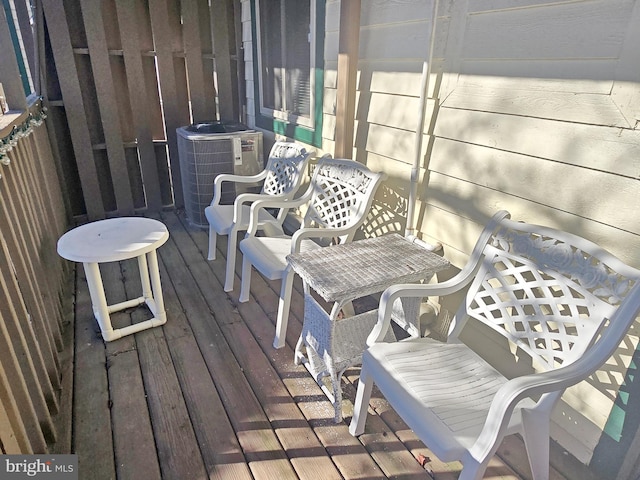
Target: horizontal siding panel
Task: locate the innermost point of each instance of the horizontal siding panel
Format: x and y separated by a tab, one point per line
329	127
572	76
385	141
401	78
575	75
443	222
391	110
406	40
246	32
330	74
561	31
329	100
332	16
602	148
587	108
245	14
331	44
375	12
472	200
549	183
398	170
481	6
568	427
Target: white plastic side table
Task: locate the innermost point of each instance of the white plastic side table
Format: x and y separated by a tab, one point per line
114	240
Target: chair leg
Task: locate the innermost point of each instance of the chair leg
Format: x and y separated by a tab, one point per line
536	440
213	236
298	355
361	404
473	470
284	304
245	286
232	240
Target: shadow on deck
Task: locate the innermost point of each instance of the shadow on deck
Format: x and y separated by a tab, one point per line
207	396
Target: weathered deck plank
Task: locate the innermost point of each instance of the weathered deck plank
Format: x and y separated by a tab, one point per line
257	439
92	435
207	396
277	404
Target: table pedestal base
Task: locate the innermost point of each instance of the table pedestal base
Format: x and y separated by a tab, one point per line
151	296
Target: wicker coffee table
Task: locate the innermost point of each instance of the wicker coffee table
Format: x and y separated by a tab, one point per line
334	341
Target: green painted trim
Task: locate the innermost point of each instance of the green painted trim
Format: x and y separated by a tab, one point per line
622	424
311	136
16	49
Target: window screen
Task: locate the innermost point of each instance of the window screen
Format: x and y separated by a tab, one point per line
285	56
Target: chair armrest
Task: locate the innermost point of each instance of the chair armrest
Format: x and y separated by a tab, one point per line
251	198
527	386
271	202
312	232
230	177
462	279
403	290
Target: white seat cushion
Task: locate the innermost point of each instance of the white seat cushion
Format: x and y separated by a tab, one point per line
269	254
446	391
220	218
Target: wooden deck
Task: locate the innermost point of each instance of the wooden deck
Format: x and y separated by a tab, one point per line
207	396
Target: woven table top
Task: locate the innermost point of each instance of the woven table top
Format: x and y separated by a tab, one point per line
344	272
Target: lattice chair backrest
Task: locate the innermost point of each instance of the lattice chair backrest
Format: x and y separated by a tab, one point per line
285	168
547	291
343	191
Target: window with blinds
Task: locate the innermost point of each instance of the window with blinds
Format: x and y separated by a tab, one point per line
286	51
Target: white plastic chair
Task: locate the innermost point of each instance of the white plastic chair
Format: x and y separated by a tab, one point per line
559	298
338	199
282	177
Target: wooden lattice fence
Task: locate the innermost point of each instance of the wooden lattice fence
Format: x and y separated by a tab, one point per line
121	76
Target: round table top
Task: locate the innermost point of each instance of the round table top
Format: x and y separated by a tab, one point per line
112	240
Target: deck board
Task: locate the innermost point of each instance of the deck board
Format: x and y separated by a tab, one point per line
207	396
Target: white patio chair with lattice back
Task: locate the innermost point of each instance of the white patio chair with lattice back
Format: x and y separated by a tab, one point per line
281	179
559	298
337	201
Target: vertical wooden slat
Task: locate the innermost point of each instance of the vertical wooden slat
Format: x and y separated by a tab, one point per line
49	171
21	329
47	260
25	273
74	106
12	338
202	106
222	26
25	218
347	70
17	388
208	67
13	435
103	79
42	166
175	115
128	21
